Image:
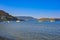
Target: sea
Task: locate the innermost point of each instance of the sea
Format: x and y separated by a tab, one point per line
30	30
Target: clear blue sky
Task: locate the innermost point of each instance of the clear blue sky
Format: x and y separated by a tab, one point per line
34	8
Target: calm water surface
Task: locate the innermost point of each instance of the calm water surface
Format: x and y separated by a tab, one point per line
30	30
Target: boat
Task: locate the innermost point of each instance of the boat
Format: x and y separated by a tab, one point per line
8	21
17	20
52	20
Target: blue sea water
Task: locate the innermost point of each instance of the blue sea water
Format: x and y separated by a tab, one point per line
30	30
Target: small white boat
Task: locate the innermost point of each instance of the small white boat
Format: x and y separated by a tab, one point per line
8	21
18	21
52	21
40	21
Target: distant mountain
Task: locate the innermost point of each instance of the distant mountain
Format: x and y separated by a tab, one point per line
26	18
49	19
4	16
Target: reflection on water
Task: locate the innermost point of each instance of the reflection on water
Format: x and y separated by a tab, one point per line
30	30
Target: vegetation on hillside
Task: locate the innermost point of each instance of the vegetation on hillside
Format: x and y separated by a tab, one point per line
6	16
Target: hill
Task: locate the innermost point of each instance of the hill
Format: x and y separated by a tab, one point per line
4	16
49	19
25	18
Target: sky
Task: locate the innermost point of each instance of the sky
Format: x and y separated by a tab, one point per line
34	8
